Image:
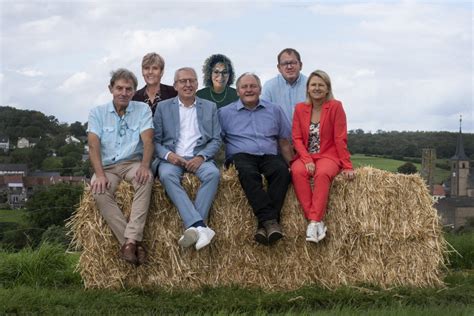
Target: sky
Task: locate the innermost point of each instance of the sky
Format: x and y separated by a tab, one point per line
395	65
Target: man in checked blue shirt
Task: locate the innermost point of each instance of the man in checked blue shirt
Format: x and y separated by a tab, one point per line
256	135
120	137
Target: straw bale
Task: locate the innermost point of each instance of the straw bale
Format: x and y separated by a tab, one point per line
382	230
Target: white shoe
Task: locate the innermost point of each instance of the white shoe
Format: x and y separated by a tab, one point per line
321	229
312	232
189	238
205	236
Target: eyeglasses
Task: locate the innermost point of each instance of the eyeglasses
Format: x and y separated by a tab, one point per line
289	63
184	81
224	73
123	127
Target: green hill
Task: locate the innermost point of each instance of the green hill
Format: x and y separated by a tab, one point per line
360	160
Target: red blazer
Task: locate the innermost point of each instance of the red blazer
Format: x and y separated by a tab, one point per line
332	133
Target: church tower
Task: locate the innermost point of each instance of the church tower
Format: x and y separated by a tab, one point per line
459	168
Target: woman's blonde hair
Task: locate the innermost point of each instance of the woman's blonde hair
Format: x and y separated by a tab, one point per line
325	77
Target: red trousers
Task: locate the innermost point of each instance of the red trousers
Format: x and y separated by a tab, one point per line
314	201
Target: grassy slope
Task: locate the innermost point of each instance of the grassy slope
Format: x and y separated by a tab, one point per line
392	165
11	216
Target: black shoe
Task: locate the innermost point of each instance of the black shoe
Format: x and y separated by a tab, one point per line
273	229
261	236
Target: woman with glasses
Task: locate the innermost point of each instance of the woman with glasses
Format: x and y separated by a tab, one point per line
218	76
320	141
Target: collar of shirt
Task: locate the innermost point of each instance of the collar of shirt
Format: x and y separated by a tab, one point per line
189	107
146	98
239	105
291	84
111	107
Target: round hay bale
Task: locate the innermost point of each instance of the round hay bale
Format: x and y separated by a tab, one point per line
382	230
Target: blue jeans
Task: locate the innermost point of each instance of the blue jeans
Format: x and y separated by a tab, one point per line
170	177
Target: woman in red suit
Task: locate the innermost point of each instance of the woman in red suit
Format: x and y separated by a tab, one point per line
320	140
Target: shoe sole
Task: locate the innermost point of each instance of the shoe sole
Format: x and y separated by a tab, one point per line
312	239
189	238
273	237
261	239
129	260
321	237
141	260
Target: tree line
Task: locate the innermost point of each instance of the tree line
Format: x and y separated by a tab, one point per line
51	152
399	145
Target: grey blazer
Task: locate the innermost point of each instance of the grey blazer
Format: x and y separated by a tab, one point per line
166	121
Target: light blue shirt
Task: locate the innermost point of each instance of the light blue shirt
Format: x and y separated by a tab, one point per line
120	136
277	90
255	131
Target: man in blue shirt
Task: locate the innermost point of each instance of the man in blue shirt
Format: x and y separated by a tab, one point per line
289	87
256	135
120	137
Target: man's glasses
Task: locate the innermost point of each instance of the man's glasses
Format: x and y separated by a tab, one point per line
287	64
224	73
184	81
123	127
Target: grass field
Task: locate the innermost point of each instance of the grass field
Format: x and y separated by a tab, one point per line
43	282
360	160
11	216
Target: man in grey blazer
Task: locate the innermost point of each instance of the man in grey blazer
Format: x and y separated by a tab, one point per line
187	136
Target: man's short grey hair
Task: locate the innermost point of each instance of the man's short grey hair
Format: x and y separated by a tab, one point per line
184	69
125	74
237	84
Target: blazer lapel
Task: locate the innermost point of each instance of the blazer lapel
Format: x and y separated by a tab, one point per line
324	115
200	115
175	116
307	121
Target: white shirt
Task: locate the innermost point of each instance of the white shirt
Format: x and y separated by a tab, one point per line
189	130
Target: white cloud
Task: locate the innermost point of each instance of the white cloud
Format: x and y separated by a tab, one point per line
29	72
74	83
46	25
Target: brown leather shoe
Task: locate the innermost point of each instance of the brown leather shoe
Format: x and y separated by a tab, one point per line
273	229
141	254
261	236
128	253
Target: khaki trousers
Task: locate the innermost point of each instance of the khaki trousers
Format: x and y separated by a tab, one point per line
109	209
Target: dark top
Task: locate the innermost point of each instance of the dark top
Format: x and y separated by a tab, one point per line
229	95
166	92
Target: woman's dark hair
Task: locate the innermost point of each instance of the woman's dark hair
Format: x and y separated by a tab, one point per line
210	62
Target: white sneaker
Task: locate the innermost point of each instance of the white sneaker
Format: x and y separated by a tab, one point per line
189	238
205	236
321	229
312	232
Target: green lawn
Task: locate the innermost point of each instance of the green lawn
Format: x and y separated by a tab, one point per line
43	282
360	160
11	216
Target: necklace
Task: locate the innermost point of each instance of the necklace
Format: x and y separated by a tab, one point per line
214	99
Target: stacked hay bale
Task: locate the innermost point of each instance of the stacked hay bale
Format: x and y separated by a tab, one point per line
382	230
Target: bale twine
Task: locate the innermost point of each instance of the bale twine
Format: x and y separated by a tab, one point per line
382	230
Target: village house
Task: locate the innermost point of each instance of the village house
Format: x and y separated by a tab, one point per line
19	185
4	143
